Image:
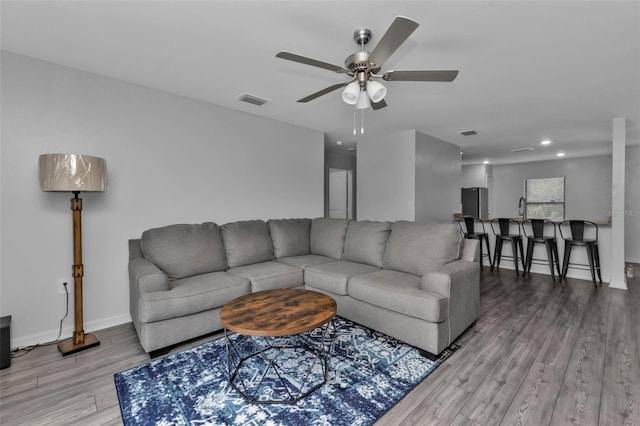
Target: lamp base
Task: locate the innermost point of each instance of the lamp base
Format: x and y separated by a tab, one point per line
67	347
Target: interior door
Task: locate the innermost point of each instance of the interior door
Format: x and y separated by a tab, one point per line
340	194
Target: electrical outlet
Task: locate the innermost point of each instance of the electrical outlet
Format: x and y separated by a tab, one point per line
60	288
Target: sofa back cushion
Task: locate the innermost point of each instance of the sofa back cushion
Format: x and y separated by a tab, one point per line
365	242
184	250
327	236
290	237
416	248
247	242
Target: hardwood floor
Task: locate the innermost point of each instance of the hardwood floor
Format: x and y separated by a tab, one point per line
542	353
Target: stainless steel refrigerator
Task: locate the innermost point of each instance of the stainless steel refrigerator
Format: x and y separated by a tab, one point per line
475	202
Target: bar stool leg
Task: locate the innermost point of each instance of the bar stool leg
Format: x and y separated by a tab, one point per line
520	244
567	256
596	253
486	240
481	256
556	257
549	248
589	248
514	249
530	244
497	253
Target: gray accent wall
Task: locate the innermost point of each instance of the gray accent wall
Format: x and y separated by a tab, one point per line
587	185
408	176
386	177
438	179
170	160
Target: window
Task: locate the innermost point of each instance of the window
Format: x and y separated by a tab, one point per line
545	198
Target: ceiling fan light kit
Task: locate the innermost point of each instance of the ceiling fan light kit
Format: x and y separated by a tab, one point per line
351	93
363	67
376	91
363	100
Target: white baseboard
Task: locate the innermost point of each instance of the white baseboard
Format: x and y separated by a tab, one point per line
544	270
620	285
67	331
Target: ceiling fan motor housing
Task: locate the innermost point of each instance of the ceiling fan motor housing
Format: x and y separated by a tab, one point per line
359	61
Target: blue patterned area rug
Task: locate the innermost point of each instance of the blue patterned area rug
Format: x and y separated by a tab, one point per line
369	373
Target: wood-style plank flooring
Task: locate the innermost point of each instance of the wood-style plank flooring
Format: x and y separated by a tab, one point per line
542	353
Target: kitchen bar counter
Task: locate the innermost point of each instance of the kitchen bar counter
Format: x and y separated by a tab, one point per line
578	254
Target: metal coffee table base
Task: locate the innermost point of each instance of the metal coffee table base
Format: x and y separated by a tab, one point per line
279	370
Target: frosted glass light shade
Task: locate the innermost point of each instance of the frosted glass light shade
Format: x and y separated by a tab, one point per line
363	101
72	172
351	93
376	91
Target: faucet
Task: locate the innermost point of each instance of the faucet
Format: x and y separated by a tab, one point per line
522	207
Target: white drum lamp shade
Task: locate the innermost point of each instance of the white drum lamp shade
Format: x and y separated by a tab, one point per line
72	173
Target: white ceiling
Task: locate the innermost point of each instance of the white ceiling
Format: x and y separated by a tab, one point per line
528	70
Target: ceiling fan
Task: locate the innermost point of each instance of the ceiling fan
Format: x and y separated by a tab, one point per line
363	67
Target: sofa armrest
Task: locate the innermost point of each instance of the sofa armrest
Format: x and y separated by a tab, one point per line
146	276
459	281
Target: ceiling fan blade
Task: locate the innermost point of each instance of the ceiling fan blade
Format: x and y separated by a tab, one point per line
420	75
378	105
309	61
323	92
400	29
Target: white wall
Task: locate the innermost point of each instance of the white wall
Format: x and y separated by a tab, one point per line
587	185
474	176
386	177
632	205
170	160
438	179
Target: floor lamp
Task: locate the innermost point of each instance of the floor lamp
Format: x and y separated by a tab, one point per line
74	173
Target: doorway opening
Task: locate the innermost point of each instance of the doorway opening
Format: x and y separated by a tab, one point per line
340	193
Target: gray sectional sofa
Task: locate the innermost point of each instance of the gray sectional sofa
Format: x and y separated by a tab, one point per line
416	282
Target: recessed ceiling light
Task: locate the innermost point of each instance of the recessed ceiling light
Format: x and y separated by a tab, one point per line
560	154
545	142
528	148
485	162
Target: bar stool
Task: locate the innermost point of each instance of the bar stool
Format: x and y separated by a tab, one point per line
469	232
576	237
504	234
537	234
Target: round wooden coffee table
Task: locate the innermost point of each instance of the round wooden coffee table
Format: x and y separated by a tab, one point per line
282	348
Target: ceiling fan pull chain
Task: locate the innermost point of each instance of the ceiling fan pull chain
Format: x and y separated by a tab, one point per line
362	122
354	122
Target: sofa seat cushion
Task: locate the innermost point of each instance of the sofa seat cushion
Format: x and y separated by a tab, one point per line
290	236
334	276
417	248
327	236
305	261
365	242
270	275
399	292
183	250
192	295
247	242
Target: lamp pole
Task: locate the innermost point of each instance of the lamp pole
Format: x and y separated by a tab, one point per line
80	341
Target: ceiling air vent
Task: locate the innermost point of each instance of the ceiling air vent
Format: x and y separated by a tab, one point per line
468	132
245	97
